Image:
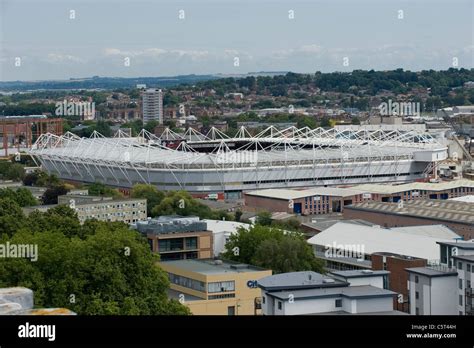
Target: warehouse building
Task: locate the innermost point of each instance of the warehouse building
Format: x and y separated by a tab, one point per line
418	190
215	287
458	216
319	200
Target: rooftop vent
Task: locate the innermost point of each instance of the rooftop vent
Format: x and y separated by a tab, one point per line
367	271
328	280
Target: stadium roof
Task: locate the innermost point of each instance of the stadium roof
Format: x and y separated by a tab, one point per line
376	239
271	147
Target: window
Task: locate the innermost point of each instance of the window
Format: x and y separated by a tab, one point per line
460	300
460	284
417	295
468	284
172	244
221	286
191	243
231	310
338	303
186	282
416	279
263	299
460	265
417	311
468	267
279	305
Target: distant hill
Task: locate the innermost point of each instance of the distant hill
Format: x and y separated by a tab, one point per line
97	82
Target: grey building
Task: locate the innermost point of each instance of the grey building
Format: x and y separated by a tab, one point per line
153	105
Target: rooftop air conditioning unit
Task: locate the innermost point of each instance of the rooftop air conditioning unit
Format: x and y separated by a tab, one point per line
328	280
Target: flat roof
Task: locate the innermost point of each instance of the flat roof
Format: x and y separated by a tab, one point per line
298	280
442	210
359	273
459	244
414	186
212	267
430	272
287	194
360	291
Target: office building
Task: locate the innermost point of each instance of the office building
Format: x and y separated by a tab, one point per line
215	287
178	237
153	106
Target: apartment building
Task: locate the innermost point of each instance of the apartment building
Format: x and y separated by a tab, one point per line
342	292
445	287
215	287
152	105
127	210
178	237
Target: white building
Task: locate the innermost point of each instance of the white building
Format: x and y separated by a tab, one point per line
302	293
445	288
153	105
221	231
346	245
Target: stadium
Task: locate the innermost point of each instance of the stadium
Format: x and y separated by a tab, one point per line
216	163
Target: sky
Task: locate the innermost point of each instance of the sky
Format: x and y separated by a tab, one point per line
39	39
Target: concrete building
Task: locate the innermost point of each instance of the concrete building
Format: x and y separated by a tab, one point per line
216	287
432	291
153	105
445	287
458	216
344	292
127	210
178	237
320	200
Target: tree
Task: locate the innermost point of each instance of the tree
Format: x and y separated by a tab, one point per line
99	189
355	120
182	203
273	249
12	171
110	271
150	193
50	196
11	217
264	218
238	215
21	196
